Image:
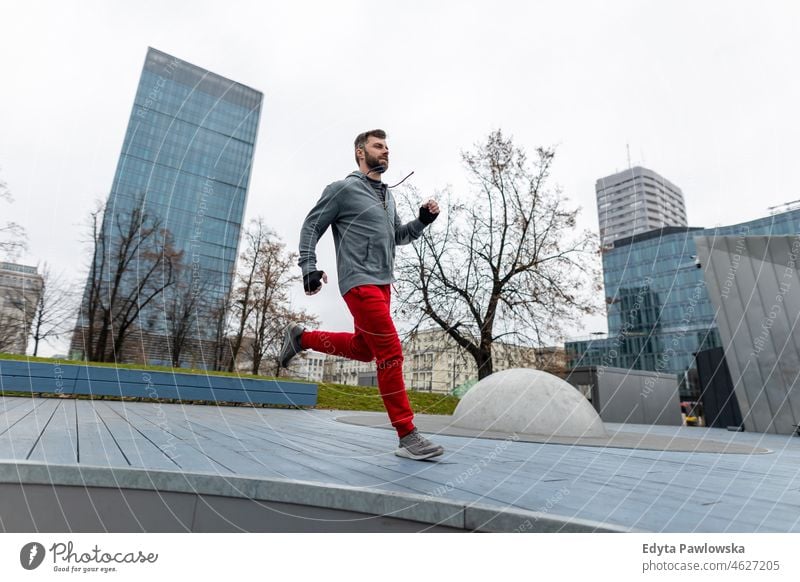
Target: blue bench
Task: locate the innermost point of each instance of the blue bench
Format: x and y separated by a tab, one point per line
57	378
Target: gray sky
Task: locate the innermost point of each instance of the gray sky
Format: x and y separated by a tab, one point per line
705	94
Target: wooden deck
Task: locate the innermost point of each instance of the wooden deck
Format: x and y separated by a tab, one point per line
640	489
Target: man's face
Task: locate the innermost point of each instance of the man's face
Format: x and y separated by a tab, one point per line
376	153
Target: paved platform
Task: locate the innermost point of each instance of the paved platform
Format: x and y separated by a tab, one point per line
619	436
79	465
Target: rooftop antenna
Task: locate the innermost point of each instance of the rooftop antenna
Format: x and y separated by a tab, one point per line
628	148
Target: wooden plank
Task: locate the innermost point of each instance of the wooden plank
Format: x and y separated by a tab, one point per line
97	445
9	403
292	459
334	459
211	446
272	454
138	450
18	413
183	454
257	455
58	442
19	436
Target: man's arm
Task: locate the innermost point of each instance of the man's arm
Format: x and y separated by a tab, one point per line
405	233
316	223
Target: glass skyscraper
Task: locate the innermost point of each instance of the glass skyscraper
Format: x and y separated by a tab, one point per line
186	161
658	309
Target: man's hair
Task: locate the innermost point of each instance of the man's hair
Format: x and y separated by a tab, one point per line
361	138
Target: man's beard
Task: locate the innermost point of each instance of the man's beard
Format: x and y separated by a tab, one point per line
375	164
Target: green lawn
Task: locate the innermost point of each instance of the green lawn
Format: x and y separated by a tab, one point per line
330	396
342	397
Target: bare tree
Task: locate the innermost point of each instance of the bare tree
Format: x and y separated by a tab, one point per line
133	262
12	235
184	306
54	311
260	303
243	303
272	311
220	316
505	263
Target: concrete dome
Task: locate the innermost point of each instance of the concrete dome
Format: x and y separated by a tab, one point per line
528	402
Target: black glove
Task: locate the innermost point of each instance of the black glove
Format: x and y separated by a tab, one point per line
312	281
426	216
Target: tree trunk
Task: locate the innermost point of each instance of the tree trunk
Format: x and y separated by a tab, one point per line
484	362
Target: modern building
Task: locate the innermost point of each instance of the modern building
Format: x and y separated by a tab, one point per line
658	308
20	289
186	161
637	200
754	286
629	396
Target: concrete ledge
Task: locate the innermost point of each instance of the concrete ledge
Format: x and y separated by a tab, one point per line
40	497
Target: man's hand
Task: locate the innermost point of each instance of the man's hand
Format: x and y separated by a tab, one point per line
428	212
312	282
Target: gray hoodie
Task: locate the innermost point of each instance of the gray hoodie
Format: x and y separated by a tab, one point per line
365	228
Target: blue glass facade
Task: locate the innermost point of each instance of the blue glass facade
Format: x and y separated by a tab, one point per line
658	309
186	160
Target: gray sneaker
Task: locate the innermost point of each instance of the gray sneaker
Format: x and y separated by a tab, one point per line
291	344
417	447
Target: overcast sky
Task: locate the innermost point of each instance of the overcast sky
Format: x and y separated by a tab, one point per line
705	93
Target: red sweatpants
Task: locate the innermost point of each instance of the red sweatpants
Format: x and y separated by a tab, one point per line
375	338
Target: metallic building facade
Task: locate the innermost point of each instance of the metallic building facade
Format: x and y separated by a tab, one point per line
186	159
754	286
658	308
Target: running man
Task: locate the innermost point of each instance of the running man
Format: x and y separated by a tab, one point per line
366	229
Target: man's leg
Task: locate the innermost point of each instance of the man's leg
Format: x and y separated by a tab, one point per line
348	345
369	305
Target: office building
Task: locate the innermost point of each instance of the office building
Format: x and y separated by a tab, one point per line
186	161
635	201
20	289
658	307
